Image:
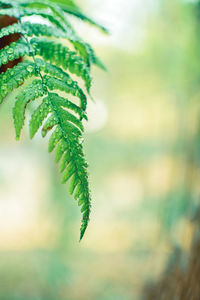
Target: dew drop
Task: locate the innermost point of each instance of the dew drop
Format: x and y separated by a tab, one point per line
69	81
4	60
30	69
10	50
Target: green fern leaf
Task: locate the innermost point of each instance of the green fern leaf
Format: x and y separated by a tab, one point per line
33	91
69	7
62	56
33	29
13	78
80	15
13	51
49	70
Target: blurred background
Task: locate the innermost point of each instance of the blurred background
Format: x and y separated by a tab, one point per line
142	143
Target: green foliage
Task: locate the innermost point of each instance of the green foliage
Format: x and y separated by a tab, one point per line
48	69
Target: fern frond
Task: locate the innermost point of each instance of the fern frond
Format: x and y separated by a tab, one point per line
48	70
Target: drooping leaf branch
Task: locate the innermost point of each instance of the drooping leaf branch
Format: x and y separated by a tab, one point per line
49	67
